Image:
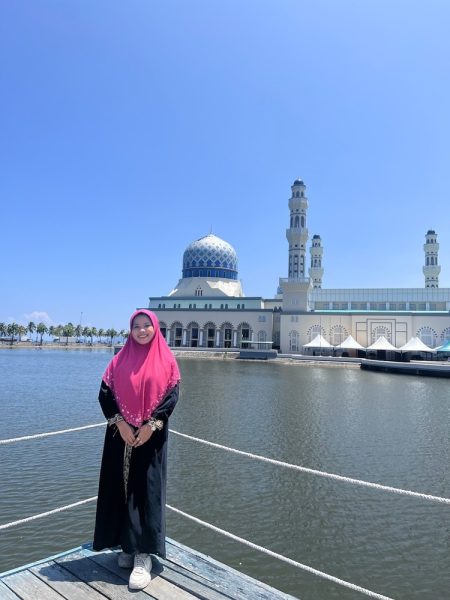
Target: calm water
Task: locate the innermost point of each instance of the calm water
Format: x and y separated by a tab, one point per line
383	428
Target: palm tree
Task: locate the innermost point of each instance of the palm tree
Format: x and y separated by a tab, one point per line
123	334
42	328
100	334
31	327
94	332
3	329
12	329
58	331
111	333
78	331
22	331
68	331
86	333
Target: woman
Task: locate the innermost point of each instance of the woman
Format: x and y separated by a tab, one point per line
138	393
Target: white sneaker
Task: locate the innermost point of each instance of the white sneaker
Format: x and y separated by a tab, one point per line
140	576
125	561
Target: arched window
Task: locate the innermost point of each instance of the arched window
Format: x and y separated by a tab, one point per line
380	331
445	335
244	335
338	334
226	333
192	337
262	337
303	221
293	341
176	334
296	221
314	331
428	336
209	335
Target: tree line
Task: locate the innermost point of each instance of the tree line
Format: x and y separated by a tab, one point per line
14	332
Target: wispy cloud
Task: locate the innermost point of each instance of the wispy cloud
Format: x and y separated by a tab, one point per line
38	316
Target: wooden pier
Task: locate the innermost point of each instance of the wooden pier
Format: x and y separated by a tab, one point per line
81	574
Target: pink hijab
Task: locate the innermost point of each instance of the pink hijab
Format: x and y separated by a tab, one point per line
140	376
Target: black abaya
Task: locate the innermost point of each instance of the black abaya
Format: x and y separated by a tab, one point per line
136	521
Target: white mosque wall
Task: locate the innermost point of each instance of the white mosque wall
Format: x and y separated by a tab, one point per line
207	286
224	303
215	328
297	329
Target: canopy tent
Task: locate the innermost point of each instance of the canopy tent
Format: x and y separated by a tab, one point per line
350	344
382	344
318	342
415	344
444	348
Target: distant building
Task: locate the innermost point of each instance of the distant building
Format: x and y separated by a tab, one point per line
208	308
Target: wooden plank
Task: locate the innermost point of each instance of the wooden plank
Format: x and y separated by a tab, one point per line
181	578
6	593
29	587
64	582
224	578
199	586
102	580
160	588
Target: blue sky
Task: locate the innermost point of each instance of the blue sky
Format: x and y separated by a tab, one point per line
129	129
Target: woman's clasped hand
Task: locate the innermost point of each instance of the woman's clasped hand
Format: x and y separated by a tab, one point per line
134	437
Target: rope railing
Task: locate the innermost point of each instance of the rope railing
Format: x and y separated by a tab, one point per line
36	436
46	513
279	463
285	559
223	532
351	480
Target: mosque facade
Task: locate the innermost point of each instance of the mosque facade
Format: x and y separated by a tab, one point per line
208	308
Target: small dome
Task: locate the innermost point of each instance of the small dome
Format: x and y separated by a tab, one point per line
431	232
298	182
210	256
316	237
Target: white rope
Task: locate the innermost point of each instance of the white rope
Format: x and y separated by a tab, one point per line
46	514
279	463
49	433
294	563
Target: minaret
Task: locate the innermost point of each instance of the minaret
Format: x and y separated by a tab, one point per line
296	288
431	268
297	234
316	269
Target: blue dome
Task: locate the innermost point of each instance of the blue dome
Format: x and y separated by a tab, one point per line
298	182
210	256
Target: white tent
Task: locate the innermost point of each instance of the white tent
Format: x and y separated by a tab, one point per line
416	345
382	344
350	344
318	342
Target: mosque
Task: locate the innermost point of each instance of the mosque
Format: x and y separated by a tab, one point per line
208	308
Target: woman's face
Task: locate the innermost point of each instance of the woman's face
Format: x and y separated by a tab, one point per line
142	330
